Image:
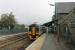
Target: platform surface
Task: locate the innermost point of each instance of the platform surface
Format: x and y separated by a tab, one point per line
51	43
47	42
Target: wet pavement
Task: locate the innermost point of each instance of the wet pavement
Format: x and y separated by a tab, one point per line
48	42
51	43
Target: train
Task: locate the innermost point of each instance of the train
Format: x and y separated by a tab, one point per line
33	31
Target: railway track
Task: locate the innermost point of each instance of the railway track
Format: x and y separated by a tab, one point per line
12	40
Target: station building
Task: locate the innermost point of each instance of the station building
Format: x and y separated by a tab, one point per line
63	21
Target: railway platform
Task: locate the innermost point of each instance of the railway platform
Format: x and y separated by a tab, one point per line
47	42
37	44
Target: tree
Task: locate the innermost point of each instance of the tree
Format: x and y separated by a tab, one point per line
12	21
22	26
4	20
8	21
0	25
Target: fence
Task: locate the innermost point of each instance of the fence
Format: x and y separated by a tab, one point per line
13	31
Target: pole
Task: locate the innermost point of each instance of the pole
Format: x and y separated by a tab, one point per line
47	30
39	30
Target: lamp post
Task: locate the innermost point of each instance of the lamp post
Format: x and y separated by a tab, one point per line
47	30
54	16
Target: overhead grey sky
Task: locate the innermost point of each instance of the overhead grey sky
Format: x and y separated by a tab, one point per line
29	11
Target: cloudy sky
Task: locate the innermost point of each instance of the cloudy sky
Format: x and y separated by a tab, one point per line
30	11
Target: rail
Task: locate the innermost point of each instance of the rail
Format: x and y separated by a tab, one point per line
15	38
